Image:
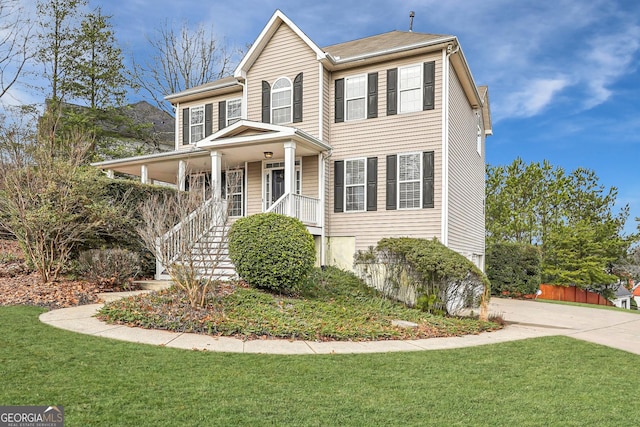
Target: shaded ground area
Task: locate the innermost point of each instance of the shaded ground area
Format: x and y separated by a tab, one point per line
20	286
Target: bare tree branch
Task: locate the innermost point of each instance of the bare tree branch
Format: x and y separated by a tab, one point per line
182	59
15	48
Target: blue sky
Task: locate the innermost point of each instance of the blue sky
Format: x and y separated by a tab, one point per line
563	75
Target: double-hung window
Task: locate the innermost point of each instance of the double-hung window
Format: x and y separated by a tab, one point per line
410	84
281	100
355	181
409	180
196	124
355	97
234	193
234	111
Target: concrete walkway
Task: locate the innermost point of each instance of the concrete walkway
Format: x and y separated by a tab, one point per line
528	319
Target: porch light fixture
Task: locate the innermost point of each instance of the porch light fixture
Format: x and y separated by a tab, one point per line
268	154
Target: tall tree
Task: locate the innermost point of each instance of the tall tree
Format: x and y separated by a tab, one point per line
15	49
59	20
97	74
182	59
570	216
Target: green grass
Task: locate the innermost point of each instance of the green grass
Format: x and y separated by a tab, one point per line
554	381
334	305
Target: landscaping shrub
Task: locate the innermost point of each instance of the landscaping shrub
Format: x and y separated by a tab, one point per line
513	268
272	251
122	216
110	267
424	273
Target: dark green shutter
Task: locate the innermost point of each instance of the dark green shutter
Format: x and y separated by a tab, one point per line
372	183
297	99
222	114
427	179
339	98
208	118
266	102
428	95
185	126
372	96
392	91
338	186
392	187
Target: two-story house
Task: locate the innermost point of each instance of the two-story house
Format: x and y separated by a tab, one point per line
382	136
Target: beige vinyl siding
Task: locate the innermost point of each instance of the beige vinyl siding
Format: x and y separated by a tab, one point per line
310	176
254	188
210	100
286	55
466	177
402	133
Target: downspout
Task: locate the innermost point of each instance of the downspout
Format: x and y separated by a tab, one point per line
321	165
446	53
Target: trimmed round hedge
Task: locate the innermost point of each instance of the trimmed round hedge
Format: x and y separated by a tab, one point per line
272	251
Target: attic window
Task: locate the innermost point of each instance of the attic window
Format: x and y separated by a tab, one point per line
281	100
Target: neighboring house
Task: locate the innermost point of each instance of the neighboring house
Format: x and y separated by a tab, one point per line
382	136
636	294
622	297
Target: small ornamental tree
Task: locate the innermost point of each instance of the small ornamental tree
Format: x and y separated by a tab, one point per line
272	251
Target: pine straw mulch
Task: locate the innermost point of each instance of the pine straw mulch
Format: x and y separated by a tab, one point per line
19	286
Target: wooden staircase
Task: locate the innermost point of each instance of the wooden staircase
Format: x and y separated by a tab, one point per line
199	243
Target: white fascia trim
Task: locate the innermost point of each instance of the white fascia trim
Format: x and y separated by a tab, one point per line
276	19
338	60
178	154
320	99
200	89
445	149
176	125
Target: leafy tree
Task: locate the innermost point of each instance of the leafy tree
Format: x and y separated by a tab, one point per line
59	20
570	216
182	59
97	74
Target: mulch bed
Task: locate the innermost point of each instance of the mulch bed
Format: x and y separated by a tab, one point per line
19	286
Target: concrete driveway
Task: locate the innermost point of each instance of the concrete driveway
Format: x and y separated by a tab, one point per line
612	328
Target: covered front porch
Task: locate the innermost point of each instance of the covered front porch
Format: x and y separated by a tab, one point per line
258	167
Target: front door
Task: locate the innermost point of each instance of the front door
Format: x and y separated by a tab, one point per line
277	184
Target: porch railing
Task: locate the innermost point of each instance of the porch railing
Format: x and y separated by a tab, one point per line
188	231
306	209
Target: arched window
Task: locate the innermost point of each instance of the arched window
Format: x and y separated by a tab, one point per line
281	99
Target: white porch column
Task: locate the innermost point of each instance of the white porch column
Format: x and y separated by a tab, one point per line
290	173
182	175
216	175
144	174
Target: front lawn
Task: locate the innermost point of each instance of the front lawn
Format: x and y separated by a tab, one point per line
333	305
555	381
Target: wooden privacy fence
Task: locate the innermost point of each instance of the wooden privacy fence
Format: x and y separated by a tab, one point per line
571	293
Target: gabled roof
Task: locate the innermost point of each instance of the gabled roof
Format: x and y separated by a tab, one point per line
381	44
622	292
269	30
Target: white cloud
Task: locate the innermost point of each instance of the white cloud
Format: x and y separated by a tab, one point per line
534	96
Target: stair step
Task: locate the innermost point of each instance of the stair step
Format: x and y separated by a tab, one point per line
153	285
